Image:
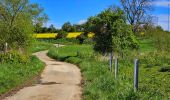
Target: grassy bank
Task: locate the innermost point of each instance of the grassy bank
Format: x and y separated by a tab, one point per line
146	45
99	82
40	46
19	69
15	74
66	41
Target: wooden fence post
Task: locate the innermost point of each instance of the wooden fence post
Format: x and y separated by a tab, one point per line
136	74
111	59
116	67
5	47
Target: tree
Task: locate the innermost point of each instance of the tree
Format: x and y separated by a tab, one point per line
38	28
67	27
17	18
111	31
38	17
112	34
78	28
136	12
52	29
44	30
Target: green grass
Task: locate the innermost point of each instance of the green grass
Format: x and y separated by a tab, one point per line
70	51
66	41
99	82
40	46
146	45
15	74
63	41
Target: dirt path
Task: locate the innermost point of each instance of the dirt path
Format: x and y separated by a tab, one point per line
59	81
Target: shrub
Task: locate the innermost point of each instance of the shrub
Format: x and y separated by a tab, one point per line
14	57
74	60
81	38
61	34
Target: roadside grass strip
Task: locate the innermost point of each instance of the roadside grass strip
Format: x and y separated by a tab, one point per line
99	83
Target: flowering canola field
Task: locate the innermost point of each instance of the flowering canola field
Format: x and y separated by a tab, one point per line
74	34
54	35
45	35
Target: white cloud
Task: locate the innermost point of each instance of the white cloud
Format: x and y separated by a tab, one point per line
161	3
82	22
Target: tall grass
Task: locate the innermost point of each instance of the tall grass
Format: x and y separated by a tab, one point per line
15	74
99	82
40	46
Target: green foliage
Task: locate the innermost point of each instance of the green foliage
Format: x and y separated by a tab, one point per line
146	45
15	74
152	59
74	60
13	57
69	51
67	27
160	38
66	41
123	37
61	34
162	41
111	31
81	38
99	82
16	23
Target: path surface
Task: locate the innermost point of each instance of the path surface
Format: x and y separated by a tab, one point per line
59	81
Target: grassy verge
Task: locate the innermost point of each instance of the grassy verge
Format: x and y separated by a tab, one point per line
63	41
40	46
15	74
99	82
66	41
146	45
17	71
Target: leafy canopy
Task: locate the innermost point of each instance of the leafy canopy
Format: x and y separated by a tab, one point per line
17	18
111	31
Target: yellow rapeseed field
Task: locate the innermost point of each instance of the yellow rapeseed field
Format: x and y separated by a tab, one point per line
45	35
73	34
54	35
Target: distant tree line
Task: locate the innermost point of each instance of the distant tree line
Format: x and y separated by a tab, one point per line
67	27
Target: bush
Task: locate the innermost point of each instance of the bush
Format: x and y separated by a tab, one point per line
61	34
14	57
74	60
81	38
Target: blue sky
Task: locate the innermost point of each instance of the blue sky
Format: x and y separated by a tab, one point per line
77	11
